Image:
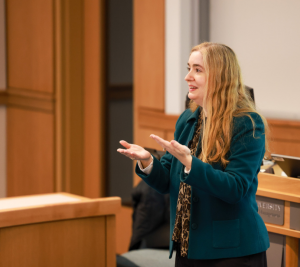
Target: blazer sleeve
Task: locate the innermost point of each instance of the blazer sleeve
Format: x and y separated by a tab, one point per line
159	178
246	154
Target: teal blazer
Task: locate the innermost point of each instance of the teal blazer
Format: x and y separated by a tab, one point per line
224	220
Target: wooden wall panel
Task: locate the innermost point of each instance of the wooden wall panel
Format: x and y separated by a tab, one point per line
29	97
145	140
285	137
149	45
62	243
285	147
30	154
170	135
149	58
55	59
30	44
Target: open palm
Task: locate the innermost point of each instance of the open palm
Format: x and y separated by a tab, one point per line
133	151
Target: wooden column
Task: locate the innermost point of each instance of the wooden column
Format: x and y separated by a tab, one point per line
81	120
69	92
95	123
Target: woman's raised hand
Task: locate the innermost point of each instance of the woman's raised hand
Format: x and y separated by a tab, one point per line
181	152
134	152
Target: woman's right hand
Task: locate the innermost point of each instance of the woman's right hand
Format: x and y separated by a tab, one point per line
135	152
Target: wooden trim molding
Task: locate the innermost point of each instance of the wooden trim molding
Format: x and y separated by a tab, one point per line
152	118
27	99
284	123
282	230
29	93
72	210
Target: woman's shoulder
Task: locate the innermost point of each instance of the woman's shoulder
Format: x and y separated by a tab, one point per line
247	121
246	118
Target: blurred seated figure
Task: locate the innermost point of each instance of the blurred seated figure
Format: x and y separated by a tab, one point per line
149	245
151	215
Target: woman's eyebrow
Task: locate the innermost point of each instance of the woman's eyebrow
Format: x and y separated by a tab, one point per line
195	65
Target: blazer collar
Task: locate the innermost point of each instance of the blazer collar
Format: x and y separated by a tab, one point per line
194	115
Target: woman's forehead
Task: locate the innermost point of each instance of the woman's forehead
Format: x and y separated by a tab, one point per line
196	58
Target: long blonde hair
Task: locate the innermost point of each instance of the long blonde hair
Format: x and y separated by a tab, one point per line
224	99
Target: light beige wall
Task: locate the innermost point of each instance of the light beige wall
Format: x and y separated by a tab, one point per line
2	108
182	32
266	38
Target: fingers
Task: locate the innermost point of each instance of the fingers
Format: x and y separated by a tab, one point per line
127	153
134	155
163	143
176	145
180	148
125	144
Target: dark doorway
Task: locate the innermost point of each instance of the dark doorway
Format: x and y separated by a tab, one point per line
120	96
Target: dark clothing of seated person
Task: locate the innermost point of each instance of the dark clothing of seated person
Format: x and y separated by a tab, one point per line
210	168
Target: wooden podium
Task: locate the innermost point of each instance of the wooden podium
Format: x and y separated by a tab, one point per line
58	230
288	190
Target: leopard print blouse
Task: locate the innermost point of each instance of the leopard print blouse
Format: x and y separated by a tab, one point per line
183	211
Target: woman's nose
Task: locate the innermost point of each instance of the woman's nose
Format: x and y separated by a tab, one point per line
188	77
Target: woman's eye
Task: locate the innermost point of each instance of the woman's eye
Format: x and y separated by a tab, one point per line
198	70
188	68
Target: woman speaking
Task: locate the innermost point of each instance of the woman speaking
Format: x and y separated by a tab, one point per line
210	168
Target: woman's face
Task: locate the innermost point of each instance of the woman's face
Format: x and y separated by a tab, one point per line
196	78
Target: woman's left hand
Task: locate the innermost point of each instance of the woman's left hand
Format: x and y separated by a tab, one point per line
181	152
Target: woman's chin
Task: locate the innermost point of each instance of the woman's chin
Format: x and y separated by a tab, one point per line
191	96
195	99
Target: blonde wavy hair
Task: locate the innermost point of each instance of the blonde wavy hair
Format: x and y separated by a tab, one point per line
224	99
